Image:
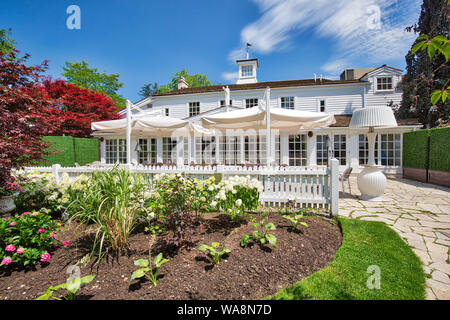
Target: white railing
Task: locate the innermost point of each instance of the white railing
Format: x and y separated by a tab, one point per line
313	187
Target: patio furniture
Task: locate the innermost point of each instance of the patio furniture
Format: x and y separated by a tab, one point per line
345	176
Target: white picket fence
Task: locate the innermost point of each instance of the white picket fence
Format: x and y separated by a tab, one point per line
311	187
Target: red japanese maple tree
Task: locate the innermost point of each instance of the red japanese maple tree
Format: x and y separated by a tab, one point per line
74	109
23	116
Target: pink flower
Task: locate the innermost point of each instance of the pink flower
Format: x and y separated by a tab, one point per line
13	223
35	214
6	261
20	250
45	257
25	213
52	235
10	248
41	230
65	243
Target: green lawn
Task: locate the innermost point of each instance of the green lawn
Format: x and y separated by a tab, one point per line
365	243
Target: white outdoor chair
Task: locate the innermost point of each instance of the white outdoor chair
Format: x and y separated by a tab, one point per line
345	176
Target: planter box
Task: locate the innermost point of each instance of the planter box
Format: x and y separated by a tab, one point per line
415	174
441	178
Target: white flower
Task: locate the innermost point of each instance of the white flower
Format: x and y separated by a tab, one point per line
213	204
238	202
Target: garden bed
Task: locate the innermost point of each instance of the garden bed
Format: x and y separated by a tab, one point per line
252	272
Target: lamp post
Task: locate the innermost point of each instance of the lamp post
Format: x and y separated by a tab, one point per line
371	180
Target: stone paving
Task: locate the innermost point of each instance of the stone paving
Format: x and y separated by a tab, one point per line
420	214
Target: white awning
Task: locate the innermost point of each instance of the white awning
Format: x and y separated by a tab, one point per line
255	118
156	125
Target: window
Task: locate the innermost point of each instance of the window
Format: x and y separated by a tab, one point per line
340	148
277	150
322	149
230	150
250	103
205	150
297	150
222	103
390	150
387	150
166	112
148	150
287	102
255	149
169	150
194	108
384	83
115	151
322	106
247	71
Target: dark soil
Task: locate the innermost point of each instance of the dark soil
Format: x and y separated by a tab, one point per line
252	272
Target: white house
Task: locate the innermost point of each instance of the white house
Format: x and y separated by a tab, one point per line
357	88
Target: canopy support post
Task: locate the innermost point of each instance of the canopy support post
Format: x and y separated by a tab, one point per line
268	131
128	132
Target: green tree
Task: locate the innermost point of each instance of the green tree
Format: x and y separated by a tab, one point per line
6	43
194	80
80	74
148	90
427	67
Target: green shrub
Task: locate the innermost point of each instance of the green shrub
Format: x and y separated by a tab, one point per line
86	150
415	149
27	239
64	146
114	203
440	149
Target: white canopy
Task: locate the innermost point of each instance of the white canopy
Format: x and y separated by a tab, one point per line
150	124
255	118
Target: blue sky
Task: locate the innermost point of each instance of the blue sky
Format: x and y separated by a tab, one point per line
149	41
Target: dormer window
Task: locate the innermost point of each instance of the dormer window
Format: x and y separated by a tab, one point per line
384	84
247	71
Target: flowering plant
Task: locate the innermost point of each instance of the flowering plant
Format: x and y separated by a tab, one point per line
40	190
27	239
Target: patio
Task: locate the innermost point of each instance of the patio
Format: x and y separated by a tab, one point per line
420	214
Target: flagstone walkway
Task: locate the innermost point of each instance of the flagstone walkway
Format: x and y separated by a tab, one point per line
420	214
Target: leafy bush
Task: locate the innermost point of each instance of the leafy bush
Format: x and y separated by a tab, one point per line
237	195
440	149
71	287
415	149
213	251
295	220
147	270
40	190
28	238
261	234
114	203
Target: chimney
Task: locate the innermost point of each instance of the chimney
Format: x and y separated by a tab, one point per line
182	84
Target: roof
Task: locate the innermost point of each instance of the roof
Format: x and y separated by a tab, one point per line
259	85
374	69
344	121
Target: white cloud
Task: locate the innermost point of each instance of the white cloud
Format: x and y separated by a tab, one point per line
372	29
230	76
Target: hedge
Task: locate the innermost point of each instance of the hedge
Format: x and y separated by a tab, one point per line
440	149
71	150
86	151
427	149
415	149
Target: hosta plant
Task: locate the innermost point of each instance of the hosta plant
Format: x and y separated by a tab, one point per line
213	251
147	269
261	234
295	220
69	288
